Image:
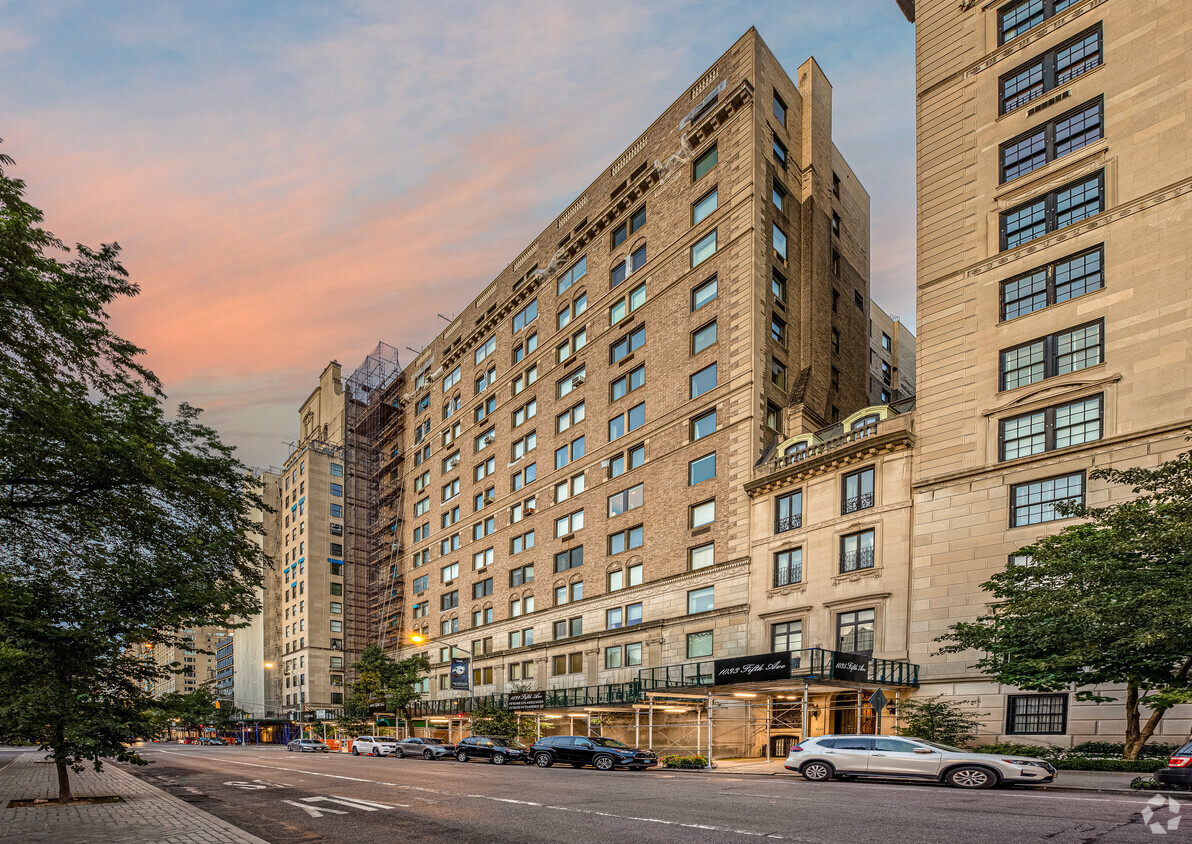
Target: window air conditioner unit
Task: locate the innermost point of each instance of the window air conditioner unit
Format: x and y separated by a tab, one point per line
451	464
489	440
604	464
577	380
529	511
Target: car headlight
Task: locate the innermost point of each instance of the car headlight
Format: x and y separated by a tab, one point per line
1024	763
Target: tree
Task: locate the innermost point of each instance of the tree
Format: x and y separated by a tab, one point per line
936	719
380	677
491	720
120	524
1101	603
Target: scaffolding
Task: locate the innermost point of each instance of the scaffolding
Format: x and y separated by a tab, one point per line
373	488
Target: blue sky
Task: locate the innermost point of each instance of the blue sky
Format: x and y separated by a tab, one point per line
293	181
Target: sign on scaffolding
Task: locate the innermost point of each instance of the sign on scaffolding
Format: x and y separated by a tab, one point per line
750	669
526	701
851	667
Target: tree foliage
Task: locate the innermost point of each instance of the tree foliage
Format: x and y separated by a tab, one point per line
380	677
120	523
937	719
490	720
1101	603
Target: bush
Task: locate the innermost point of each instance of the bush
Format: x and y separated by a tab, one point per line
1084	763
937	719
1040	751
1143	784
1115	751
684	762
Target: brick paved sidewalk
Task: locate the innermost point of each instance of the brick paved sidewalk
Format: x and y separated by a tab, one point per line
147	816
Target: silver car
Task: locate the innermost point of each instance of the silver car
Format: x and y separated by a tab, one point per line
889	757
305	745
427	748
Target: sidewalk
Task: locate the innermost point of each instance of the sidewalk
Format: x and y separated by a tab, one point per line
147	814
1067	780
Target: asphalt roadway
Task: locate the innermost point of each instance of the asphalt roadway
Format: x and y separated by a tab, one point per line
290	797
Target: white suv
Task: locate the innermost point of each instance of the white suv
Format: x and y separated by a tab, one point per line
374	746
892	757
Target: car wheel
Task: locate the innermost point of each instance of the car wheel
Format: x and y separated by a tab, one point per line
355	752
374	752
290	749
500	758
461	757
604	763
428	755
577	764
971	776
543	760
817	771
398	754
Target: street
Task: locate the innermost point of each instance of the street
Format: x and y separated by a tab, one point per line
289	797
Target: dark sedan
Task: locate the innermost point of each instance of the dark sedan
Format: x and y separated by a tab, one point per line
496	749
604	754
427	748
1179	768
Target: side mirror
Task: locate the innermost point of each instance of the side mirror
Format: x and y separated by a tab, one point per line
923	750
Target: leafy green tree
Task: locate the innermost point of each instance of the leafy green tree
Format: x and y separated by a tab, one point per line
1101	603
380	677
491	720
937	719
120	523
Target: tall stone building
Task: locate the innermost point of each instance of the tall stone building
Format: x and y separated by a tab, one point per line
891	358
1055	199
192	663
577	441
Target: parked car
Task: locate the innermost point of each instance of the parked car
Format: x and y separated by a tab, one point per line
495	748
188	740
214	741
603	753
822	758
307	745
427	748
1179	768
374	745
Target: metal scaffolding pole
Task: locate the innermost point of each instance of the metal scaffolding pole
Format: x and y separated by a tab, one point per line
637	727
769	720
651	723
805	696
709	729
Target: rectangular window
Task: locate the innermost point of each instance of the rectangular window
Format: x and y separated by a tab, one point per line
857	551
627	305
703	337
452	378
701	469
572	416
778	286
705	163
777	329
449	573
625	540
449	601
1051	70
705	206
788	511
523	446
779	109
612	656
568	383
569	488
1024	15
522	576
778	374
522	543
633	654
525	316
337	490
525	380
421	584
778	195
574	273
1034	502
1057	282
525	413
525	347
1054	427
1067	133
626	500
703	249
628	382
485	349
703	513
786	637
627	345
1056	354
614	618
1037	715
482	589
788	567
569	559
699	644
569	524
854	632
701	556
779	153
625	422
703	294
627	460
570	452
525	476
703	425
779	241
701	600
857	491
703	381
482	559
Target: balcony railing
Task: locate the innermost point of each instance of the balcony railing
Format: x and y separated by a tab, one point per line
834	441
786	523
858	558
786	575
555	699
809	663
858	502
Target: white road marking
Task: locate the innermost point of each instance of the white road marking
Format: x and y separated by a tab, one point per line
312	811
354	803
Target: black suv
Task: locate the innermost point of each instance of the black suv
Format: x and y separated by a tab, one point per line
603	753
1179	768
499	750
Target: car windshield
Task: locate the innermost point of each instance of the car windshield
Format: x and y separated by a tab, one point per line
505	742
433	741
607	742
939	746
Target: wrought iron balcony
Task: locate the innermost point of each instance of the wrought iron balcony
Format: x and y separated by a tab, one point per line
858	502
860	558
786	523
786	575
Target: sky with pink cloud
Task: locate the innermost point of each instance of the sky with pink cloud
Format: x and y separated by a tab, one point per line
292	181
